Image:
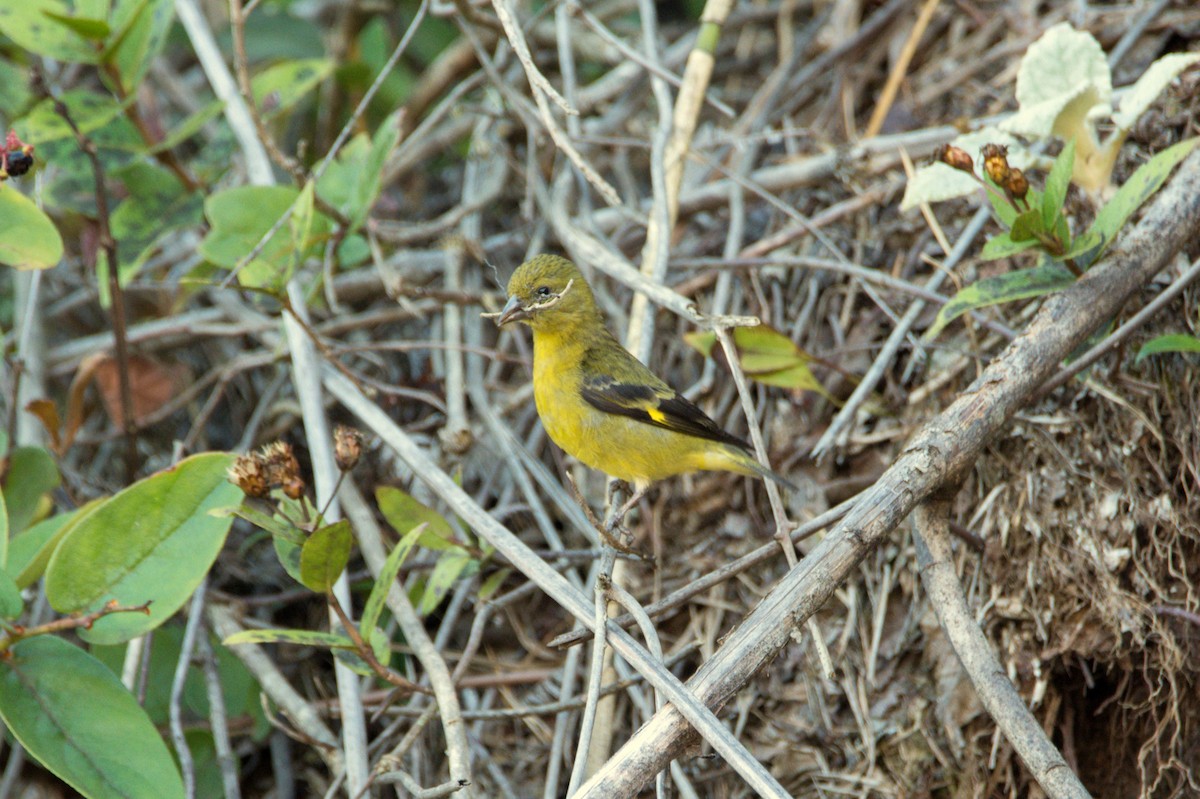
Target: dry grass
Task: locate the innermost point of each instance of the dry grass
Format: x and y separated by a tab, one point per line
1088	507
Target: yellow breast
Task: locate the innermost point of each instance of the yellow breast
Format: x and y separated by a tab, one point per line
617	445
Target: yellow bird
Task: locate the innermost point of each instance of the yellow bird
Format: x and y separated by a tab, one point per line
598	402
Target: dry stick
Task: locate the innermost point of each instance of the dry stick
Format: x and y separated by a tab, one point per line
997	693
655	68
276	686
29	365
370	542
596	670
716	577
675	131
1124	331
218	719
845	268
596	728
863	390
591	250
941	453
888	95
191	633
550	581
455	435
307	381
540	88
621	597
782	539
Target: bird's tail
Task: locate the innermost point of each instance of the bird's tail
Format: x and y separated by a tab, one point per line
752	467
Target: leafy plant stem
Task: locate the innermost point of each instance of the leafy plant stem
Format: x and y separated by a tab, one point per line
84	622
109	245
364	651
332	495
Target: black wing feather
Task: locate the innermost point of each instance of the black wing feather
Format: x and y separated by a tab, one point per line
636	400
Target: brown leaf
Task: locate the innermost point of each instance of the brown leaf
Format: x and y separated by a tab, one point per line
151	384
47	413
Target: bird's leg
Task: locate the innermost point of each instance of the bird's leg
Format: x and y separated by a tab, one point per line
615	520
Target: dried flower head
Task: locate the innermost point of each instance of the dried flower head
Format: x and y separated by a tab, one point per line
249	473
283	469
956	157
995	162
347	447
1017	184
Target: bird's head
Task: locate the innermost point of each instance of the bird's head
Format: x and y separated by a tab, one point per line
546	292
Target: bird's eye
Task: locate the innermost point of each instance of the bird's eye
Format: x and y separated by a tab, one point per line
543	291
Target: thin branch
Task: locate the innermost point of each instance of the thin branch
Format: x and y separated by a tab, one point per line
995	690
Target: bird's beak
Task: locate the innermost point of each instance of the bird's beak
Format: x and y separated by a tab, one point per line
513	311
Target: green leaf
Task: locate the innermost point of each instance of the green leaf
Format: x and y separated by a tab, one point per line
11	603
403	512
301	220
28	24
1141	185
1022	284
1057	183
15	96
3	532
31	475
72	714
1172	342
240	217
157	207
367	189
767	356
449	567
1002	246
324	556
381	648
1027	226
296	637
89	110
383	584
153	542
284	85
28	239
492	584
189	127
30	551
142	28
87	27
237	684
286	537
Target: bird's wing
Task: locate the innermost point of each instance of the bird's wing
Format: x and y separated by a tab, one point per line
616	382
